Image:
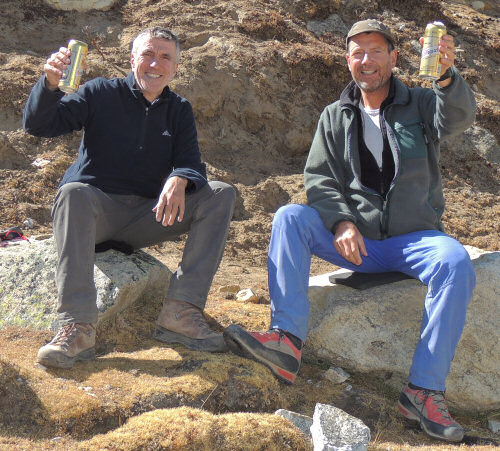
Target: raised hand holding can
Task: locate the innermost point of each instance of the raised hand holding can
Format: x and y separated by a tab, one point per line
430	67
72	75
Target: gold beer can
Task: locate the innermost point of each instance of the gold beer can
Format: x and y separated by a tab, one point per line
430	67
70	79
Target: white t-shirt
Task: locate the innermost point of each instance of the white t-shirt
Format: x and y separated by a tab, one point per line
372	133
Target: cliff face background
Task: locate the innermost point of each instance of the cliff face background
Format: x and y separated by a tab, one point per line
258	74
257	79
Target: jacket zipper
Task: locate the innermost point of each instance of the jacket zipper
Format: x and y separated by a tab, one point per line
425	133
143	131
385	207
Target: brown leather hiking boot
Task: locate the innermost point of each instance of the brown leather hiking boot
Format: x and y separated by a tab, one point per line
73	342
182	322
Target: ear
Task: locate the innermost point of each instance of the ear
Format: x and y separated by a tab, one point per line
394	58
132	60
348	61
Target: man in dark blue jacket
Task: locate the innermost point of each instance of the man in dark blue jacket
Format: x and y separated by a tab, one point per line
138	180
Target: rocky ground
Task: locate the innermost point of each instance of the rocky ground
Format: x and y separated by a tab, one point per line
258	73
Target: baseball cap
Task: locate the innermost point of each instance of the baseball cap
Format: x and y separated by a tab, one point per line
369	26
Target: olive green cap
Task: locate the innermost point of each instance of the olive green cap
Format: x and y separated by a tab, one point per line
370	26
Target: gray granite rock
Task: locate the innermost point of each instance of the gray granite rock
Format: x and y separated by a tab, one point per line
332	24
477	140
336	375
301	422
81	5
494	425
28	295
377	329
334	429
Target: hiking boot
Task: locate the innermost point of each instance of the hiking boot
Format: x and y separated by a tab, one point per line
272	348
73	342
182	322
429	408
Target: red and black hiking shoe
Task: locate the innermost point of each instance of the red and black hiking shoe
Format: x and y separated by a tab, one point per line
272	348
429	408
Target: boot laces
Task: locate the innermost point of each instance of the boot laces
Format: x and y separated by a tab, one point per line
65	335
198	317
437	398
281	336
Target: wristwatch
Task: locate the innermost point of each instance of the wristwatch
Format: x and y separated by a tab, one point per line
445	76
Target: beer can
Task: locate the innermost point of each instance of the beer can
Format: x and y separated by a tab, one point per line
70	79
430	67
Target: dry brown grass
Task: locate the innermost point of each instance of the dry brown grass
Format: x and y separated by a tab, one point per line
140	394
192	429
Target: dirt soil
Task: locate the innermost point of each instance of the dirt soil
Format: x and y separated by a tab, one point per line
257	79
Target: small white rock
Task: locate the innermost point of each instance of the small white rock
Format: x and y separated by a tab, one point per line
40	163
28	223
336	375
247	295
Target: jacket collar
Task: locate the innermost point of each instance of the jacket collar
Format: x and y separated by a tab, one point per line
136	92
398	93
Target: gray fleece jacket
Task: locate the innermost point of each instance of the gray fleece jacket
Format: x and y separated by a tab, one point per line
417	120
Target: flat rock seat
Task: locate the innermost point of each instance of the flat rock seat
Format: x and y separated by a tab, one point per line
363	280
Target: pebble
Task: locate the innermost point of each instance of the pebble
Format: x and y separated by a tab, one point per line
229	289
336	375
494	425
247	295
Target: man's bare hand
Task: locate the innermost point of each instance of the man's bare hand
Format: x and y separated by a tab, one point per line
172	201
349	242
55	65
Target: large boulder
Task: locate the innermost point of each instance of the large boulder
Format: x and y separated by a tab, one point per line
476	140
81	5
377	329
28	295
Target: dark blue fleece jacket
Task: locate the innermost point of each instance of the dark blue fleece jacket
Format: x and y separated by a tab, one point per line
128	146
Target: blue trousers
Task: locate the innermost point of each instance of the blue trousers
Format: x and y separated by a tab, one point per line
431	256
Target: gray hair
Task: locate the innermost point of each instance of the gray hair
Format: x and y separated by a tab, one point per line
157	32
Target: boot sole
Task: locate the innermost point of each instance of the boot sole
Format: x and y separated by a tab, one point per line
243	344
406	409
207	344
59	360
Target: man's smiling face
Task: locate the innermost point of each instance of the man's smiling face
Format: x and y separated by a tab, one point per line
154	64
371	61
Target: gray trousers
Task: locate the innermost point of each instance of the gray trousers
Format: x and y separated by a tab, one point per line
84	216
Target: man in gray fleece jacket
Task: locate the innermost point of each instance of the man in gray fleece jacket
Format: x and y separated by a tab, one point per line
375	202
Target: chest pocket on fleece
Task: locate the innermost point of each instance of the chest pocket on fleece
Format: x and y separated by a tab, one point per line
411	139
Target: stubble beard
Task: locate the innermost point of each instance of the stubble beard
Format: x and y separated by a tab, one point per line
366	87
